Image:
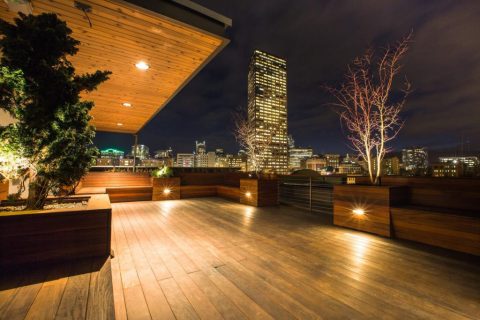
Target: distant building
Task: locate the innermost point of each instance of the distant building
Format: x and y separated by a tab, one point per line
111	153
185	160
219	152
390	166
415	161
167	153
296	157
211	159
332	160
470	165
110	157
448	169
237	162
267	109
200	147
201	160
316	163
349	166
142	152
152	163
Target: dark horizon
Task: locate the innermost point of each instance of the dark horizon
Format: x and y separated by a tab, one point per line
443	66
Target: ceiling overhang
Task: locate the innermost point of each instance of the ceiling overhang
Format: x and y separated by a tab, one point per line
176	38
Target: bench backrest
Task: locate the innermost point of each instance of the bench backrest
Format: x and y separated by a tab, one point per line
449	193
116	179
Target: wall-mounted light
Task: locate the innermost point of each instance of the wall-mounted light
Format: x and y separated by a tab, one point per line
248	194
358	211
166	191
119	124
142	65
127	104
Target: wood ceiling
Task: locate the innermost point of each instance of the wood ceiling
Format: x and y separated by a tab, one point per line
121	35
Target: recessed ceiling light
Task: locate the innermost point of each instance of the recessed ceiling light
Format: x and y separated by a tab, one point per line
119	124
142	65
127	104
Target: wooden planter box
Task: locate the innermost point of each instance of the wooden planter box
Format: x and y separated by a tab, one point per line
29	238
259	192
375	202
4	189
165	189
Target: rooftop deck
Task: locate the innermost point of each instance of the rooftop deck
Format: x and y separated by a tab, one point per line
211	259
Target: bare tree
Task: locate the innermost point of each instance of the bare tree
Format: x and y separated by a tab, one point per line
367	110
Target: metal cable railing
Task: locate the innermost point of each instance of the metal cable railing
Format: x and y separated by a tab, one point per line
310	193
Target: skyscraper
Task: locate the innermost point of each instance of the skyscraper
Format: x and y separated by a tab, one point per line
267	110
200	147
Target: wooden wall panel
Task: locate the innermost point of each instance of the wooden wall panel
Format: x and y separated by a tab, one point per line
450	231
231	193
374	200
197	191
259	192
127	194
4	185
55	235
159	186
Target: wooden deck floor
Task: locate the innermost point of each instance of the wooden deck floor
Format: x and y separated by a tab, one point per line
213	259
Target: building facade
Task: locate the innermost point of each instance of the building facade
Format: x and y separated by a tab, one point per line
470	166
185	160
267	111
142	152
415	161
297	157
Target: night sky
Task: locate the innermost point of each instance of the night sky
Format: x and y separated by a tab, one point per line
318	39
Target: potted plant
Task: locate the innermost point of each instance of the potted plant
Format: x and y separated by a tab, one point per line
165	185
48	147
371	117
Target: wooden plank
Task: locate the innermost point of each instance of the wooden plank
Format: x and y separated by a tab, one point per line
450	231
122	36
48	299
75	297
100	296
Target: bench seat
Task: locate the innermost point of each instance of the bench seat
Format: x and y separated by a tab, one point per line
447	228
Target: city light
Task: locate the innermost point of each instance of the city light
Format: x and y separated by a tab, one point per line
142	65
358	211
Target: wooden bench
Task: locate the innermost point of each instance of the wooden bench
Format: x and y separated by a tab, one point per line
127	194
449	229
120	186
443	212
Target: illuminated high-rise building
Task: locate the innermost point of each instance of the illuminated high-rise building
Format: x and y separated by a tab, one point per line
267	110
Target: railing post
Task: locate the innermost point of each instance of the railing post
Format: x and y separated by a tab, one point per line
310	194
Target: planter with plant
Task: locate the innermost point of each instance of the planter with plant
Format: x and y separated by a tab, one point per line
50	143
165	185
369	108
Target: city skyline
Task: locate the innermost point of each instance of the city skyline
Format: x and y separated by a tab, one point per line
435	118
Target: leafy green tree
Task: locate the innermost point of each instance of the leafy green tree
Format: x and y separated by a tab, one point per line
52	122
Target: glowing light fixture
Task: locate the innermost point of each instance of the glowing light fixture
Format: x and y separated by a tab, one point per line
119	124
166	191
248	194
142	65
358	211
127	104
